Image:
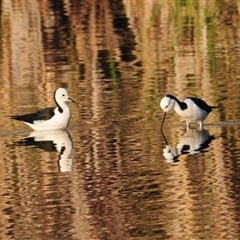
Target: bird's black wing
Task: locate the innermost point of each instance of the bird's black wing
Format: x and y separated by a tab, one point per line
199	102
44	114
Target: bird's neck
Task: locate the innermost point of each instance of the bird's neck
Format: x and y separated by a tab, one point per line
176	106
62	106
179	106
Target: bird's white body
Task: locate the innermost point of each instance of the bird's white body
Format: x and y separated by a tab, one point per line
192	110
58	121
50	118
193	113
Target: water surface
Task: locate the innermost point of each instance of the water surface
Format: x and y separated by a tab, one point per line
113	174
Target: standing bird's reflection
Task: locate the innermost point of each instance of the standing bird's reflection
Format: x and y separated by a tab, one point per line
193	141
50	141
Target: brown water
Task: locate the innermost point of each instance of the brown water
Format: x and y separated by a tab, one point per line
113	174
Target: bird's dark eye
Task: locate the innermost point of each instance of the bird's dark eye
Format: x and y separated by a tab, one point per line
63	95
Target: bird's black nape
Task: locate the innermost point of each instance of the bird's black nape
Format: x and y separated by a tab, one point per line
54	97
172	97
182	105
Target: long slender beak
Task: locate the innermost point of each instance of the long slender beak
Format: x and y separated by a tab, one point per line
164	116
71	100
161	128
164	137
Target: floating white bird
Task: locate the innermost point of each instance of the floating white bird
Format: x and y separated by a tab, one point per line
191	109
51	118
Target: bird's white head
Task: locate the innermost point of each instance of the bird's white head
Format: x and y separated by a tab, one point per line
62	95
167	103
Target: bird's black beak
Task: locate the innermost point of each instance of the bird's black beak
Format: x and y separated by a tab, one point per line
71	100
164	116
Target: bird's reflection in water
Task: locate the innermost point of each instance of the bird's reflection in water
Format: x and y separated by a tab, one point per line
193	141
50	141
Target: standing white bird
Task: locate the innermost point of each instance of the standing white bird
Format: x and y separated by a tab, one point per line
51	118
191	109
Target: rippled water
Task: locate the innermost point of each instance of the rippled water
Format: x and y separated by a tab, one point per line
113	174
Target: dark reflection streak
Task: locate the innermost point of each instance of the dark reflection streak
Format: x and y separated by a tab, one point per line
122	29
107	64
58	38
